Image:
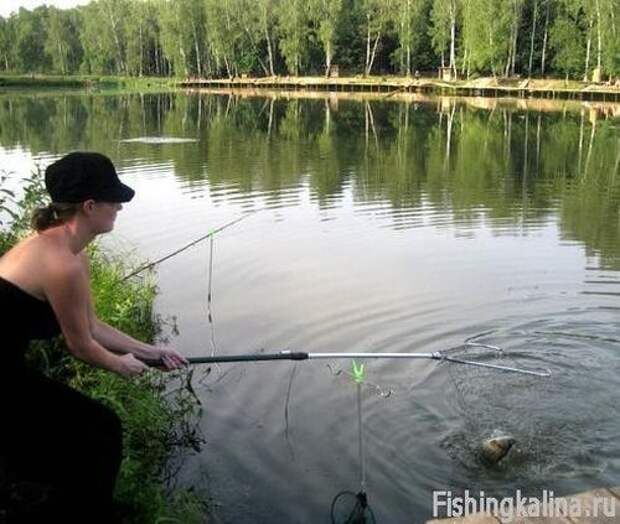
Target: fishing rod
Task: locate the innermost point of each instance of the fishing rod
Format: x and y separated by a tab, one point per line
210	234
299	355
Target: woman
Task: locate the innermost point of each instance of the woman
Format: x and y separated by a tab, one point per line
52	435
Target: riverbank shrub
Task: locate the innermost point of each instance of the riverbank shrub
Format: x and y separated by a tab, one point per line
158	412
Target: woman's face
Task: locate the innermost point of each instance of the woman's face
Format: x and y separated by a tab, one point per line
103	215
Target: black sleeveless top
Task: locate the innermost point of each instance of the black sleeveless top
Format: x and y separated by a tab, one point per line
23	318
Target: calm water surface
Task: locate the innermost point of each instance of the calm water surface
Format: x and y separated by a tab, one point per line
379	225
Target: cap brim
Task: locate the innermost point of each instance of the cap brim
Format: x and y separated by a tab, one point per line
121	193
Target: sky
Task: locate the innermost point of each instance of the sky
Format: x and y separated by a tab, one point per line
8	6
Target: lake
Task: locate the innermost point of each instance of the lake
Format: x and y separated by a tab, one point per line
378	223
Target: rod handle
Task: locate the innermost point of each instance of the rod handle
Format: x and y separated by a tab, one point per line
284	355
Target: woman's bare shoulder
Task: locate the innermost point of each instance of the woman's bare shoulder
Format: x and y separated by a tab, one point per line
35	260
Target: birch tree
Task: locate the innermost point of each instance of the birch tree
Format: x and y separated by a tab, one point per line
267	19
193	13
535	15
6	43
610	36
141	36
513	19
293	31
567	39
114	14
377	16
443	30
485	26
250	18
324	15
406	19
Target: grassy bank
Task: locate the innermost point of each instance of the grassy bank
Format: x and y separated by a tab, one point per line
158	413
90	82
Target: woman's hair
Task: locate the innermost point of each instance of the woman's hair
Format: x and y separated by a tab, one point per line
53	214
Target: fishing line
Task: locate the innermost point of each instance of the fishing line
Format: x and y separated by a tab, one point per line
286	406
187	246
210	302
348	507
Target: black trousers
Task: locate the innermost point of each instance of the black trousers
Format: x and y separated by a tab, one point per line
60	452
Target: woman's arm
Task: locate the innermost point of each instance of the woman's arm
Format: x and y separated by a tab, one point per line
66	288
119	342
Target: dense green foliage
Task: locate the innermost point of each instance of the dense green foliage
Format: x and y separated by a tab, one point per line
158	415
578	38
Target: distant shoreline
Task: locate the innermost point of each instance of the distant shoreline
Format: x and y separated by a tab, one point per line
392	85
387	85
90	82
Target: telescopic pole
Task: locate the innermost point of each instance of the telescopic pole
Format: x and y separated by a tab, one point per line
298	355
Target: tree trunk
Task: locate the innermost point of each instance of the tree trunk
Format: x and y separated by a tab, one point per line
546	34
366	68
588	47
228	71
197	49
408	60
269	48
62	62
453	38
253	43
118	43
184	57
514	45
464	68
372	55
141	52
598	32
509	61
534	17
328	59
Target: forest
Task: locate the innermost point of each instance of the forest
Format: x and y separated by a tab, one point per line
578	39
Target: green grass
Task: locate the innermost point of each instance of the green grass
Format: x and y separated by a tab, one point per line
91	82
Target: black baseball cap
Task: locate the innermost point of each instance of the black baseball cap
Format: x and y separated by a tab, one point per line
82	176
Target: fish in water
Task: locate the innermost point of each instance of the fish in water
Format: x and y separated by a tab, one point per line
495	448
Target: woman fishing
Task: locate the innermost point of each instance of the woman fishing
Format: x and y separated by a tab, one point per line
51	434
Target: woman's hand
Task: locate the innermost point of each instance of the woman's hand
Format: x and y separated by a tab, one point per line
130	366
170	358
